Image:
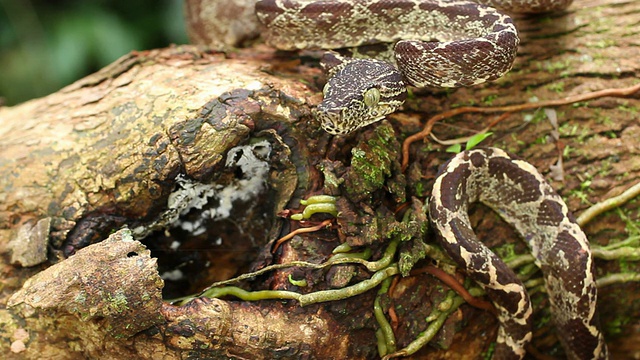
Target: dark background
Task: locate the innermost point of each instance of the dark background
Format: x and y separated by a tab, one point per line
46	45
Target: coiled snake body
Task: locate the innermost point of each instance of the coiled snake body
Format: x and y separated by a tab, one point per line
473	43
522	197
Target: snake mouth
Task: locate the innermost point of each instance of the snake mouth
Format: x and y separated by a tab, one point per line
330	121
338	120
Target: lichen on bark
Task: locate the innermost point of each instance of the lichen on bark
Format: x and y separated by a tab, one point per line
106	152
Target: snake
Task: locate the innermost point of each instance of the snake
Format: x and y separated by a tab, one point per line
448	44
515	190
433	44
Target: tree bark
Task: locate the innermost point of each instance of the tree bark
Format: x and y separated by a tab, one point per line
120	147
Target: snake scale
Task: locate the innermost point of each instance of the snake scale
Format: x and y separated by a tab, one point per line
452	43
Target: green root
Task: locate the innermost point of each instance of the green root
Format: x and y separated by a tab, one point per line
317	204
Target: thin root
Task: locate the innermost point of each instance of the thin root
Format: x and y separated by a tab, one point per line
300	231
619	92
457	287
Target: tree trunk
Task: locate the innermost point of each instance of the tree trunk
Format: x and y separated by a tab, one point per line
158	146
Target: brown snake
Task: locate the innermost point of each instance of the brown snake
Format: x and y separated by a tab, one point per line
434	43
449	43
520	195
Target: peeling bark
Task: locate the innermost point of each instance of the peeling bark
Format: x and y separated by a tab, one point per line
114	284
106	152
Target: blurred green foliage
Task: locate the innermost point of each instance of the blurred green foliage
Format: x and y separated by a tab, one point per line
46	45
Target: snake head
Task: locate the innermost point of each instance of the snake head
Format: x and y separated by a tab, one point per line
360	92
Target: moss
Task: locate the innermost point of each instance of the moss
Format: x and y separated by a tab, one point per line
616	326
603	44
629	109
583	191
506	251
555	66
541	140
373	162
557	87
420	189
488	100
118	303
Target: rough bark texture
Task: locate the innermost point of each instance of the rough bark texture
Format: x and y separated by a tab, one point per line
108	150
221	24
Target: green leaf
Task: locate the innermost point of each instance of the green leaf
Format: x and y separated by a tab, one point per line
455	148
477	139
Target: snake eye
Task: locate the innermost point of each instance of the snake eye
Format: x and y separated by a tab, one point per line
371	97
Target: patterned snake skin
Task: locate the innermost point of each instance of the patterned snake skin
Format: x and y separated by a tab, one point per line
437	43
450	43
521	196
